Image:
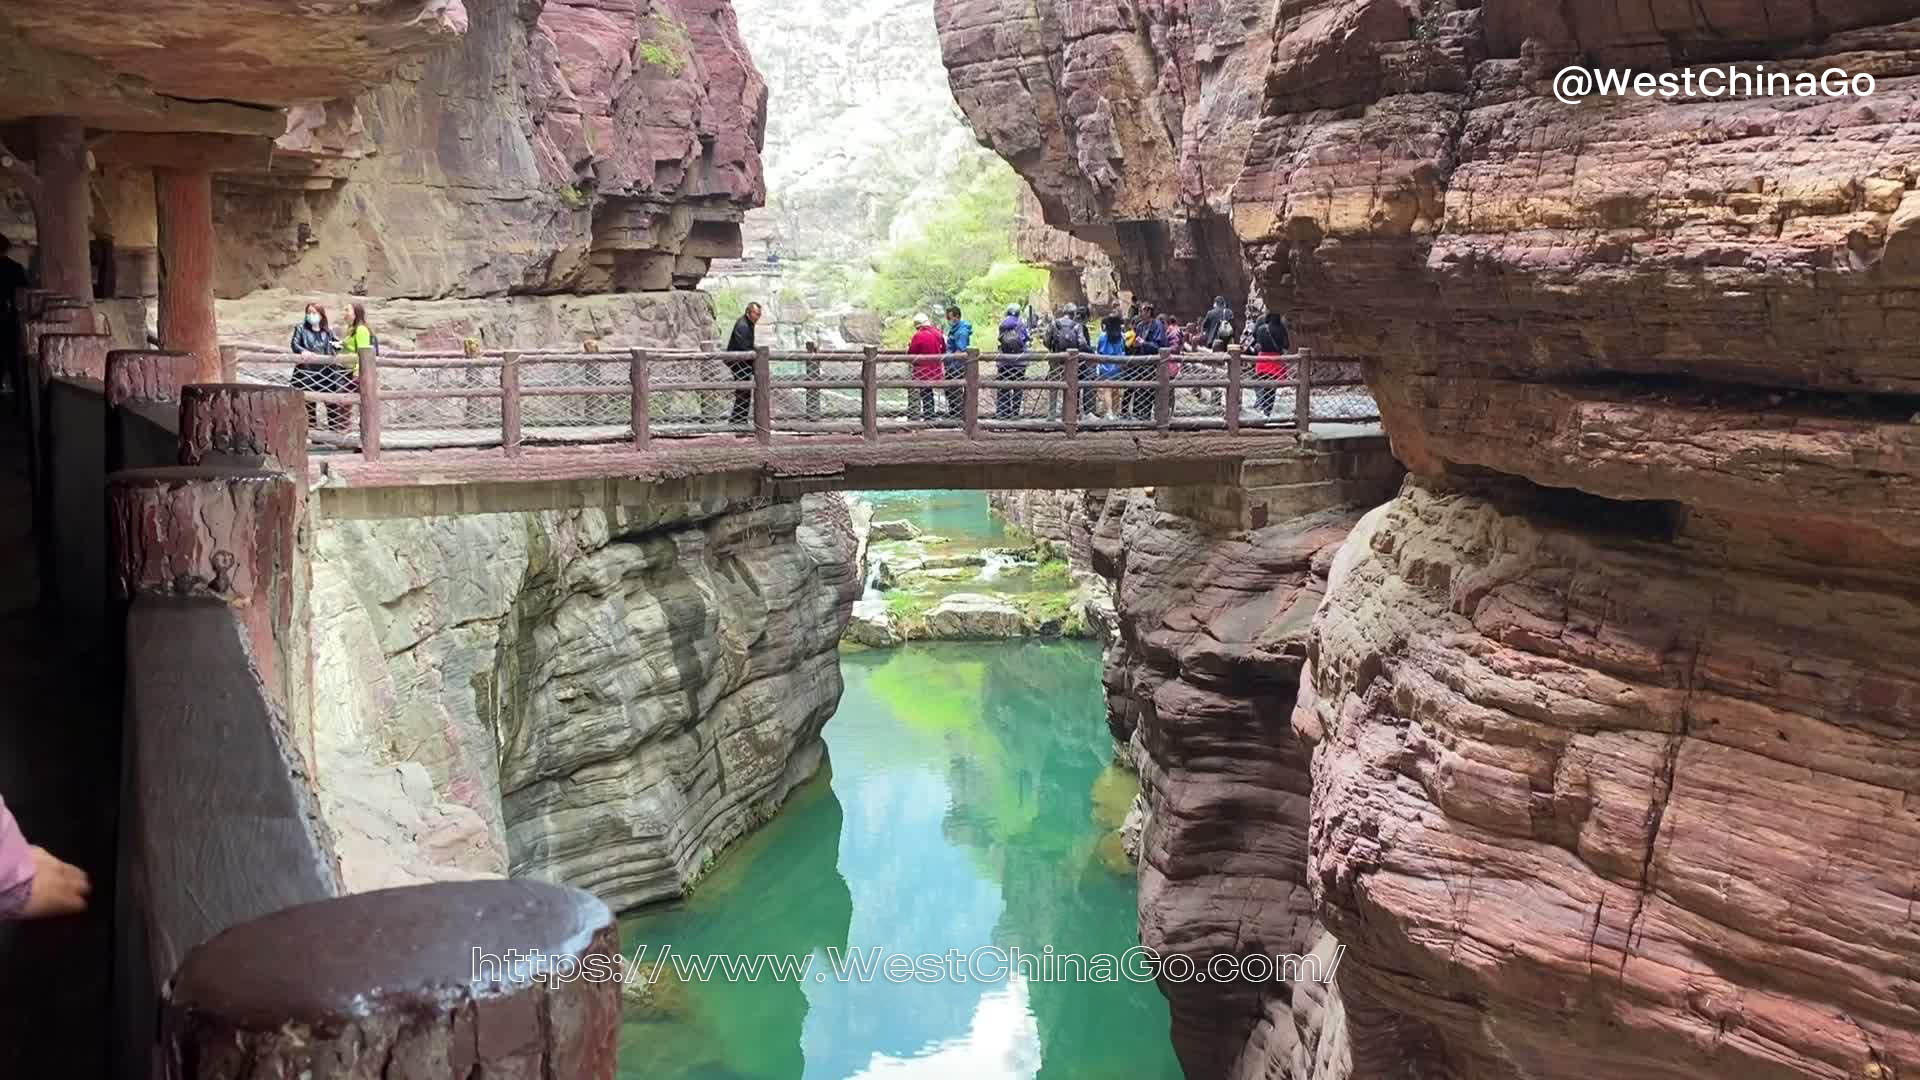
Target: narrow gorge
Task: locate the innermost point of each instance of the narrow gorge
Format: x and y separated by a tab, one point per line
1559	704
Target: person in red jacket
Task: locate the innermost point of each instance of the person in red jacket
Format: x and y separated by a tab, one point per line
929	343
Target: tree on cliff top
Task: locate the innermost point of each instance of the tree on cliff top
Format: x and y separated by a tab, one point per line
962	255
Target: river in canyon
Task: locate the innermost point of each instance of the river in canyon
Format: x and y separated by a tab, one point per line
969	802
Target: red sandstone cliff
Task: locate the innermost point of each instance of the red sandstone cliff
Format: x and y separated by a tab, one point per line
1609	709
560	146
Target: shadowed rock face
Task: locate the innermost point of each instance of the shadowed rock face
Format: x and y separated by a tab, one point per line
1128	120
580	146
600	699
239	51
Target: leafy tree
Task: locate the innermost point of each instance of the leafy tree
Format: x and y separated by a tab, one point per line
963	255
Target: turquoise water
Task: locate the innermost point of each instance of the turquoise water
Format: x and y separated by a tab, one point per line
960	516
969	803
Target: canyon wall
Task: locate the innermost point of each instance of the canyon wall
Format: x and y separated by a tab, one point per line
561	146
1213	592
1130	122
1608	709
602	698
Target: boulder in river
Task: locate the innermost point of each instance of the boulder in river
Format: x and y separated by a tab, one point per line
972	616
894	529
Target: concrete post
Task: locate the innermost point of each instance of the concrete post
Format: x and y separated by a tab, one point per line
184	202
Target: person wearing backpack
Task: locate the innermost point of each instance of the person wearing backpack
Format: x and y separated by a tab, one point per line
1013	342
1067	335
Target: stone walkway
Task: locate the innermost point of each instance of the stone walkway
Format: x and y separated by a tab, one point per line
59	773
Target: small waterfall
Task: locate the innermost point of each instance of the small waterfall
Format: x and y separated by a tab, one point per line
870	590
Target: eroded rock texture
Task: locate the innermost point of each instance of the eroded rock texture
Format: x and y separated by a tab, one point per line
1610	706
600	698
1129	120
570	145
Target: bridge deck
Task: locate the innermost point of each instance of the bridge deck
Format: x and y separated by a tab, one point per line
453	480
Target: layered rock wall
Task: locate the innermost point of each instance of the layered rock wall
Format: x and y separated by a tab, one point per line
562	145
1129	121
600	698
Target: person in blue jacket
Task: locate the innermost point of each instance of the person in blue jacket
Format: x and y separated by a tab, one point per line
959	340
1113	342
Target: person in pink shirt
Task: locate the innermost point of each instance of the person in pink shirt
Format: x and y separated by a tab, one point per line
34	884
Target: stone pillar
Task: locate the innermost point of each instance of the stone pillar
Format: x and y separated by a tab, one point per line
212	532
64	206
184	202
387	984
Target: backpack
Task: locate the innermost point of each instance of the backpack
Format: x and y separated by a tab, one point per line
1010	339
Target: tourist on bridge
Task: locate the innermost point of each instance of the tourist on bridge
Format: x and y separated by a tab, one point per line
1149	337
1216	330
359	337
928	342
313	337
1013	342
959	340
1113	342
1269	345
1067	334
741	341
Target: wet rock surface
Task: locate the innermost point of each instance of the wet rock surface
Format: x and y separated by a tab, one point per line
601	699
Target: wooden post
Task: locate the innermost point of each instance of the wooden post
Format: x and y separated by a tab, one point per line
1163	392
510	403
184	200
813	375
1070	399
64	207
1236	371
641	376
970	395
369	406
229	363
763	394
1303	391
870	393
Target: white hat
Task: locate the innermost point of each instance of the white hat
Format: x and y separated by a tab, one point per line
921	320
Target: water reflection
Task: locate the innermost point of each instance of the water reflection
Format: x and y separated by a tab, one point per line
961	812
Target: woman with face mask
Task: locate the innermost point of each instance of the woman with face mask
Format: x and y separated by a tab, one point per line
312	337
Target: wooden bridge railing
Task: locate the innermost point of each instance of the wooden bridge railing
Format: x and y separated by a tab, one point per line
427	399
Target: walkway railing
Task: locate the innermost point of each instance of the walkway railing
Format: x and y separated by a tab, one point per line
510	398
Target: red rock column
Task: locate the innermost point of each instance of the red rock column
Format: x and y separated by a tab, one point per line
211	532
74	356
64	207
247	421
146	376
184	202
251	426
406	984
